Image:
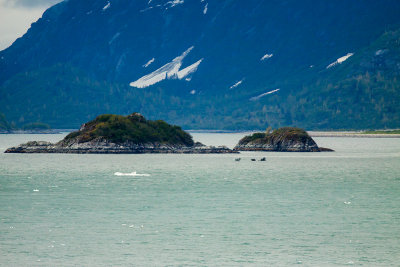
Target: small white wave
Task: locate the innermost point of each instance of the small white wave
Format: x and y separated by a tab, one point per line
35	190
130	174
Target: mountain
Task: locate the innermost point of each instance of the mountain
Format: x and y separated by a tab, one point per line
209	64
4	125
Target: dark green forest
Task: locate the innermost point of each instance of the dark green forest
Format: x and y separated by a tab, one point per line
361	93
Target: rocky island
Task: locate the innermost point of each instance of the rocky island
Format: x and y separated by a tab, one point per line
115	134
286	139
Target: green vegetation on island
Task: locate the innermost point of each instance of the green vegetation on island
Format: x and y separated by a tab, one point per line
116	134
133	128
292	133
285	139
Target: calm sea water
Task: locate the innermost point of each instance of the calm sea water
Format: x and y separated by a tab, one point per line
314	209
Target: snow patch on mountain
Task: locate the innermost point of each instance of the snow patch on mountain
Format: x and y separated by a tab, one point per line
340	60
107	6
170	70
255	98
143	10
174	3
380	52
236	84
149	62
188	70
266	56
205	9
193	92
114	37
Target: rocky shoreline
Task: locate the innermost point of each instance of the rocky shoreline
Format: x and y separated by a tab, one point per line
134	134
104	147
286	139
116	134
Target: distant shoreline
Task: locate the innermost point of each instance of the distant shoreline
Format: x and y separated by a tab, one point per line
49	131
352	134
311	133
362	134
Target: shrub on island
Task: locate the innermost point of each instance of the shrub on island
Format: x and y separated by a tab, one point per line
286	139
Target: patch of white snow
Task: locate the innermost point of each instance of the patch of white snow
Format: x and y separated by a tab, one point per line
205	9
107	6
255	98
380	52
144	10
174	3
193	92
188	70
149	62
114	37
236	84
168	71
340	60
266	56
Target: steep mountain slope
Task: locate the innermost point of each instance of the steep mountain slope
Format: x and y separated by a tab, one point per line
207	64
364	91
4	125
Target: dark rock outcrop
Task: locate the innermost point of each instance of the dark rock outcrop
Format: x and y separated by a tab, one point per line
286	139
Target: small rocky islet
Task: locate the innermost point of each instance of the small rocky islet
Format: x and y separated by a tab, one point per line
134	134
116	134
285	139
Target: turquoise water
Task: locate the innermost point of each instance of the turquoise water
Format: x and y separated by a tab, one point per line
314	209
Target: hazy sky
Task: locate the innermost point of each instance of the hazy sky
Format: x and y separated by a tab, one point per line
16	17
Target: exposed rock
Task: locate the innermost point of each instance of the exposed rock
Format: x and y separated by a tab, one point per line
286	139
137	117
104	147
324	149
